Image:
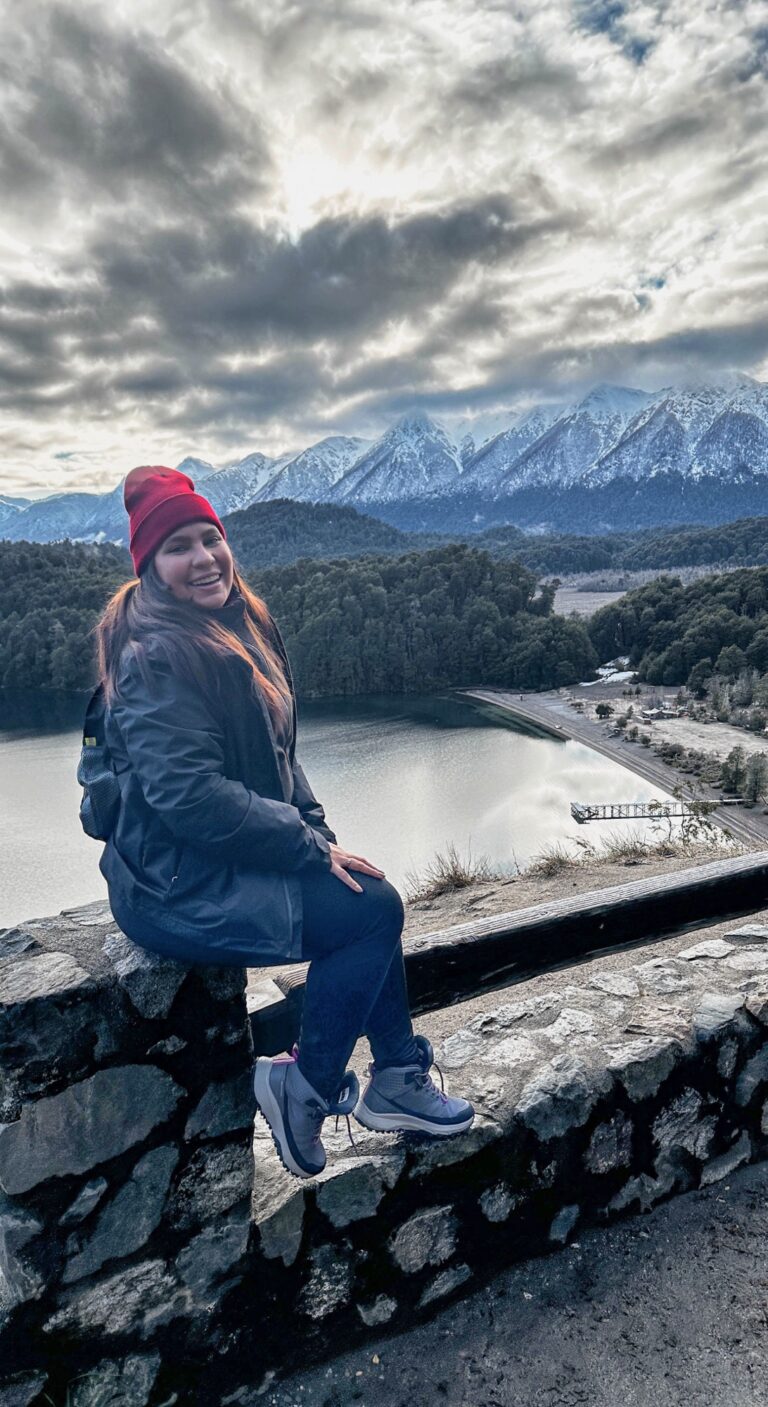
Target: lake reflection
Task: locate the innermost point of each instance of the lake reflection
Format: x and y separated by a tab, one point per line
399	779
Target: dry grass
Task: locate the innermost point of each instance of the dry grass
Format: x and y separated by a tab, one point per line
447	873
450	871
552	860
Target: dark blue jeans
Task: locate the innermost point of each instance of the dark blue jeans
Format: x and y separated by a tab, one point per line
356	979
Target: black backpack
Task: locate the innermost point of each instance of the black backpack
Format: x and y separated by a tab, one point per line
96	774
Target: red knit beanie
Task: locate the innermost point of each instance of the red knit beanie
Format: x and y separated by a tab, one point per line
158	501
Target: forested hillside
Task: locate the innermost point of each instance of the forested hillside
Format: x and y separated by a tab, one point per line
743	543
279	531
672	633
51	595
450	616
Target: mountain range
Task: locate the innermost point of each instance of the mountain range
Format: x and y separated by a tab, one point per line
617	458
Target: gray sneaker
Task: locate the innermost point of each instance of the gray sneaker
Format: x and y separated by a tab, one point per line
405	1098
295	1111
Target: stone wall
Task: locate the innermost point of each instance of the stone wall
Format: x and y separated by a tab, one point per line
135	1268
126	1164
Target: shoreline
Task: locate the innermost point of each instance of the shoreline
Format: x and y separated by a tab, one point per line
550	712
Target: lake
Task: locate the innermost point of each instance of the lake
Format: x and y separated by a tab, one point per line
400	778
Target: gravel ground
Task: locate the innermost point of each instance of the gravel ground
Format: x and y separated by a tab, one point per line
660	1310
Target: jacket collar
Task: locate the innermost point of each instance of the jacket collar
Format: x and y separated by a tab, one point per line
232	613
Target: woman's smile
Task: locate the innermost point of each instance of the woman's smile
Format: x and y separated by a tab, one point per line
196	564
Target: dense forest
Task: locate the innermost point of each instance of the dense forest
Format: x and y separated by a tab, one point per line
425	620
739	544
279	532
676	635
51	596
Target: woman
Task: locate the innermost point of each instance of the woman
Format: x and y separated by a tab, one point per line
221	853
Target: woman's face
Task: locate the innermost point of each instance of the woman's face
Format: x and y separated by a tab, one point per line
196	563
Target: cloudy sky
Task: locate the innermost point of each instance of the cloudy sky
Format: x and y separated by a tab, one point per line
231	225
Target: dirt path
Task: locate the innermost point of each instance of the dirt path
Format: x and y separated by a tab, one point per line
552	712
656	1311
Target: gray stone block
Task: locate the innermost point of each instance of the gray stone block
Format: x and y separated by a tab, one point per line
21	1390
459	1048
427	1238
617	984
17	1228
40	976
444	1284
380	1312
610	1146
329	1285
214	1180
444	1152
710	948
128	1221
85	1202
225	1106
563	1224
350	1190
124	1382
679	1127
644	1190
715	1012
561	1096
136	1299
150	982
14	941
496	1203
663	975
754	1074
643	1065
87	1124
211	1254
718	1168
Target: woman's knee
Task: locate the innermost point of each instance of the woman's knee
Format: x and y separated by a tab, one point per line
389	910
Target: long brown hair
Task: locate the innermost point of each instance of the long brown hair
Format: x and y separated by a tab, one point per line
191	641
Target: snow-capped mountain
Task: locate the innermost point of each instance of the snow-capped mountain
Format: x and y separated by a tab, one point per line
195	469
238	484
576	440
310	476
484	470
415	459
694	452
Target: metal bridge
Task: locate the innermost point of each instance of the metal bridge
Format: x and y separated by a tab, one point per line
631	810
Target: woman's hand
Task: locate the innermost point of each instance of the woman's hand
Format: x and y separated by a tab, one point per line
341	861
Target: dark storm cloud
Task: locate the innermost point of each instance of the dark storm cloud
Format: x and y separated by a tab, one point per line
163	306
340	278
115	117
238	398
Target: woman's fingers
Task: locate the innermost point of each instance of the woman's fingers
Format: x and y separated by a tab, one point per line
359	862
346	878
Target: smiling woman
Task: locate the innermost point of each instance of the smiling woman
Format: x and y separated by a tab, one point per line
221	854
196	564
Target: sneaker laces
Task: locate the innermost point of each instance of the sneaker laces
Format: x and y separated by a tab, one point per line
424	1081
345	1101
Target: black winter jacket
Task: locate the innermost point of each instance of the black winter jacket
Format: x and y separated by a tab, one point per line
208	849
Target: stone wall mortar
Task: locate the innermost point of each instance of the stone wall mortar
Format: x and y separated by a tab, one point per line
128	1239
